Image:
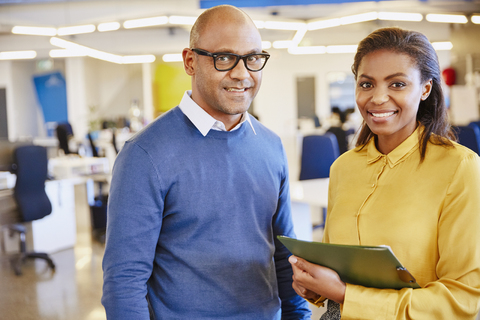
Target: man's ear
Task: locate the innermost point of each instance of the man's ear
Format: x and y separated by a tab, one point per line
188	61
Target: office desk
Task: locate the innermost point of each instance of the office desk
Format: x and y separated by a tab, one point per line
58	230
305	196
53	233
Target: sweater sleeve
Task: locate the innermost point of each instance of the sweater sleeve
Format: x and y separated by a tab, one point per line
294	307
456	293
133	225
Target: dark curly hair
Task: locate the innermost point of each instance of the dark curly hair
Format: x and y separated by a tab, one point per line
432	112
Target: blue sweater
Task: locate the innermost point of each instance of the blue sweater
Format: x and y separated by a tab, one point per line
192	226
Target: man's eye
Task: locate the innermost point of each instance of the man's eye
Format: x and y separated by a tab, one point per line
225	58
252	58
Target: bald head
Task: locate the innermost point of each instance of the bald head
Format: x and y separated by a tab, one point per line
218	16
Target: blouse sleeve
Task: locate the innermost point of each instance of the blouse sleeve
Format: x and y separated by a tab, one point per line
456	293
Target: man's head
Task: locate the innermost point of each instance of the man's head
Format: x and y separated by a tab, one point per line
223	94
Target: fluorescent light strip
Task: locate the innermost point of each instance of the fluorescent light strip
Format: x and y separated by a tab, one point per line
172	57
400	16
65	53
145	58
323	24
101	55
308	50
65	31
14	55
446	18
476	19
147	22
108	26
369	16
259	24
299	35
444	45
181	20
266	45
35	31
284	25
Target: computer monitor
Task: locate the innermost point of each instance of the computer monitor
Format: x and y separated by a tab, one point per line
6	153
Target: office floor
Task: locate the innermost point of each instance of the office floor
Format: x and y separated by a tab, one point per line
73	292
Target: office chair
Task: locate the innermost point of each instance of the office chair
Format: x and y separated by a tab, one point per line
64	133
114	141
92	145
469	136
341	136
318	154
30	167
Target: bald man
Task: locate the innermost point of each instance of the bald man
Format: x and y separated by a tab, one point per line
198	197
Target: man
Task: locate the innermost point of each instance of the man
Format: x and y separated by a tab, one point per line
199	196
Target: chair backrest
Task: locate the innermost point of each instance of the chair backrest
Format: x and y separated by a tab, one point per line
318	154
31	164
92	145
341	136
469	136
64	131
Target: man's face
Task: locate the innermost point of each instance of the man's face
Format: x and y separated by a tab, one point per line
222	93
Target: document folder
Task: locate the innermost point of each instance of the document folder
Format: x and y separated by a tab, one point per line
368	266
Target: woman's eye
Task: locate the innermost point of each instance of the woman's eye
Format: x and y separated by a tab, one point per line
365	85
398	85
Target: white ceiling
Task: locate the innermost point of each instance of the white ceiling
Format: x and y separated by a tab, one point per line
165	39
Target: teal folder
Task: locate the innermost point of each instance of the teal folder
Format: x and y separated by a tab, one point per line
368	266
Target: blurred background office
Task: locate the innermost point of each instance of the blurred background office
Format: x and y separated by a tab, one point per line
79	77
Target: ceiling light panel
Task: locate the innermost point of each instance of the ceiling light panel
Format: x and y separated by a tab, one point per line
369	16
446	18
444	45
65	31
108	26
400	16
284	25
181	20
147	22
14	55
36	31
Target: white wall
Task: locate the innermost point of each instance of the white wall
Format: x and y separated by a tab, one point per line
25	118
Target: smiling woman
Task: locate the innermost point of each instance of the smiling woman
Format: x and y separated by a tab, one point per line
406	185
389	89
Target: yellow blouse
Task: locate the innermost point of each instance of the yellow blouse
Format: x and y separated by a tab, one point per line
428	213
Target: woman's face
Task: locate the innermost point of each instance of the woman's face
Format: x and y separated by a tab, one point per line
388	93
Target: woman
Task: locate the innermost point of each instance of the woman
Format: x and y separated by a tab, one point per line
406	185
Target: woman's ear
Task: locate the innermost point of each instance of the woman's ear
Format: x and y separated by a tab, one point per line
427	88
188	61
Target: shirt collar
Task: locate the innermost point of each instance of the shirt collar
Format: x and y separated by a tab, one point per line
202	120
398	154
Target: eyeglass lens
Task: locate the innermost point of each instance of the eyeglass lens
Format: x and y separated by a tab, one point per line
226	61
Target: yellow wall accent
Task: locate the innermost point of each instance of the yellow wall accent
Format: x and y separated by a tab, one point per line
169	84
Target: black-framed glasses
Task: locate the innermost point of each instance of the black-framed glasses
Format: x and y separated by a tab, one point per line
225	61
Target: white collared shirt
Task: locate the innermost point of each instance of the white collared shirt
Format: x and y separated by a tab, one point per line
202	120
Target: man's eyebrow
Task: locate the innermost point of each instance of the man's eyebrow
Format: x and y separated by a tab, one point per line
226	50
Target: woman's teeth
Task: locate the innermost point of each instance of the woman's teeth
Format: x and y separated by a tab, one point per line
382	115
236	90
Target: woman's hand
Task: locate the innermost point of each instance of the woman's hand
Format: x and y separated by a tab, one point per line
311	281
